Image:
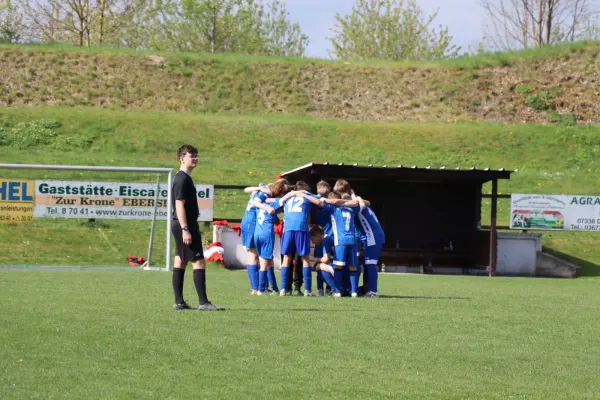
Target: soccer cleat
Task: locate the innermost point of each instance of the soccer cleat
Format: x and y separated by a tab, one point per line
354	294
308	293
320	293
182	306
297	292
265	293
337	294
209	307
329	292
282	292
253	292
372	294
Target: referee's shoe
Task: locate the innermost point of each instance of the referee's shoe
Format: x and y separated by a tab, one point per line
209	307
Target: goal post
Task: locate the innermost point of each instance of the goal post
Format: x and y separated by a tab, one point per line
9	191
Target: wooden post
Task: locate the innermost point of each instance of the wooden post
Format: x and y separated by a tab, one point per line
493	233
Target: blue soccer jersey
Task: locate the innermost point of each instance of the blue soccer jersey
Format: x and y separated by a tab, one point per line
265	221
371	233
342	223
249	219
323	218
296	214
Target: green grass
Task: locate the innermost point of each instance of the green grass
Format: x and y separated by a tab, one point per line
464	62
252	149
113	335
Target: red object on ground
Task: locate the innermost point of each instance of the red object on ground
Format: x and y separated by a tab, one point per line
135	261
221	223
237	228
214	253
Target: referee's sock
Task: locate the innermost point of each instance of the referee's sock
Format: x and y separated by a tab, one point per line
178	275
200	283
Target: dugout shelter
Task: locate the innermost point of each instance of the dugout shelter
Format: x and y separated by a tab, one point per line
431	216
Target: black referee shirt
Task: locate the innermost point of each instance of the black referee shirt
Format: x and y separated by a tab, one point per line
184	189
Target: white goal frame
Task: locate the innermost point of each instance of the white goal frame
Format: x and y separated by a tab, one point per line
168	171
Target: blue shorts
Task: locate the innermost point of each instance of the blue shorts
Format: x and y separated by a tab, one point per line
372	254
248	240
345	256
295	241
264	246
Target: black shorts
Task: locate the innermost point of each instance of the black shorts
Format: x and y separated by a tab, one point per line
194	251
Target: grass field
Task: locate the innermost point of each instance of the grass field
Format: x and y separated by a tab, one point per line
113	335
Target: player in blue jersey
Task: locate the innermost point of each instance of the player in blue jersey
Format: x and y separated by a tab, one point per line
372	237
264	239
344	234
324	252
247	226
295	238
323	219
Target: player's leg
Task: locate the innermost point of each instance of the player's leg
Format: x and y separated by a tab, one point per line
271	277
298	276
327	272
264	247
320	282
195	254
178	268
363	265
352	262
252	264
372	254
339	264
287	249
303	247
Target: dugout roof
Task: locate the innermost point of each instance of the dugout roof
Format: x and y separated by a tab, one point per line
404	173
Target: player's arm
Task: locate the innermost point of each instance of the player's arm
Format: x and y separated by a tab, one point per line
342	203
312	199
326	259
287	196
252	189
362	202
259	204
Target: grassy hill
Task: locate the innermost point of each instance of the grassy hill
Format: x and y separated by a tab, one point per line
552	85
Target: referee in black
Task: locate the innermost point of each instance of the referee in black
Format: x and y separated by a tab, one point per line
186	230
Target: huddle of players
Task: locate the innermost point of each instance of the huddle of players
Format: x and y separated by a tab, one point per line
344	221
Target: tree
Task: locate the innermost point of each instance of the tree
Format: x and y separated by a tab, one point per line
241	26
282	37
82	22
11	22
390	30
533	23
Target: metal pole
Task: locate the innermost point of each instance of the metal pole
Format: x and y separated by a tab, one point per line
169	217
153	221
493	234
